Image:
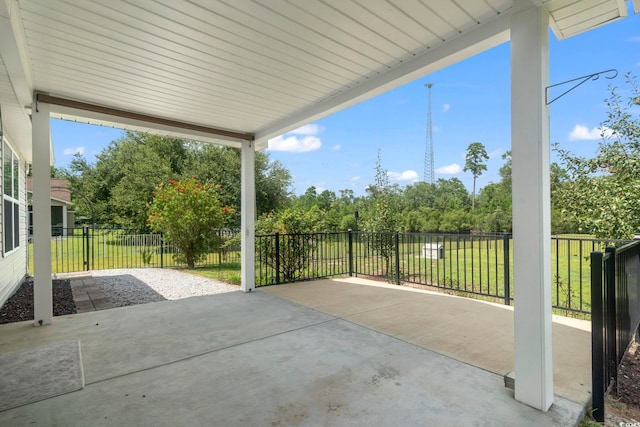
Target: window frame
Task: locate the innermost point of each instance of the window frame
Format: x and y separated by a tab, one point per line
10	202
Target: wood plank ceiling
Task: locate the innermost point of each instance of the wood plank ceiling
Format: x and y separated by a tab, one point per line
244	65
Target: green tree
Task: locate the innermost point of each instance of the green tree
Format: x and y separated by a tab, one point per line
382	219
121	182
494	201
601	193
188	213
474	162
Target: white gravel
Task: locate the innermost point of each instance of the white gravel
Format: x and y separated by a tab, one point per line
142	285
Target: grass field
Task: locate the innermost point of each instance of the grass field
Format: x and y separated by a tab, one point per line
227	272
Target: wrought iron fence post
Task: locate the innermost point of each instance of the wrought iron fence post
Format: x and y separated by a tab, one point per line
610	314
161	250
277	258
597	344
85	242
350	253
507	268
397	256
91	241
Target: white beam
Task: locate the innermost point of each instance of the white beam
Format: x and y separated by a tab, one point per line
457	49
118	122
247	217
531	207
42	290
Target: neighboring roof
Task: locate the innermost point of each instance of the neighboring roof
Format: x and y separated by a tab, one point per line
60	189
248	66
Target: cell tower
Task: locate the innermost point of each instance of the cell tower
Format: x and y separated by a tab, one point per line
428	149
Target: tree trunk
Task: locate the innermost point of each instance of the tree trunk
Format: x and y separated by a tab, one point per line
473	199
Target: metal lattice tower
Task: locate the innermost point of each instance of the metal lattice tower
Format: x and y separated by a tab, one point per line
428	149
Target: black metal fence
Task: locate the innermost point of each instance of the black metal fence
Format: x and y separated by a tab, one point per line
467	264
615	295
285	258
89	248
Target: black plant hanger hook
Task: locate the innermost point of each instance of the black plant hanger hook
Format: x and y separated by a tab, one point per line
613	73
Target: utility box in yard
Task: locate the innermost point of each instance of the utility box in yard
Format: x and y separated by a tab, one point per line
433	251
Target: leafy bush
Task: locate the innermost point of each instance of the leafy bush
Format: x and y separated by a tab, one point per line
291	249
188	213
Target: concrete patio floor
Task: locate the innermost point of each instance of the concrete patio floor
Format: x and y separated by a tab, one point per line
330	352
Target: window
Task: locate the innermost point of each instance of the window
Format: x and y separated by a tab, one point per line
10	198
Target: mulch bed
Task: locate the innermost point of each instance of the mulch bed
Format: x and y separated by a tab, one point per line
629	376
19	306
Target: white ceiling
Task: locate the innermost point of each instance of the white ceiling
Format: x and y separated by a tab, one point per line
253	66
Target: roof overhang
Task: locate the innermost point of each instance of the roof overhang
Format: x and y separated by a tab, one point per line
570	18
251	68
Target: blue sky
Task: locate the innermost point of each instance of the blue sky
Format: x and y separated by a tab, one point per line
471	102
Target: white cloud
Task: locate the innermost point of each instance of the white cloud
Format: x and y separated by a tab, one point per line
451	169
336	147
295	144
310	129
496	153
582	133
446	107
299	140
73	151
406	176
355	178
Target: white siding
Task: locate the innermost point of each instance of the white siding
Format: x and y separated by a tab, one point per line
13	267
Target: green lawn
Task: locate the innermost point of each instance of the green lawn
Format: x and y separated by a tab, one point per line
226	272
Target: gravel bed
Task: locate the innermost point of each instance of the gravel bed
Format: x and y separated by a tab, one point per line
19	306
142	285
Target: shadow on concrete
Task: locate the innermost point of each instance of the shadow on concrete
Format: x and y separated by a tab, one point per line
125	289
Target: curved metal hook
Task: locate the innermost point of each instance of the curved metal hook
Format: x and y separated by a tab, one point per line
582	80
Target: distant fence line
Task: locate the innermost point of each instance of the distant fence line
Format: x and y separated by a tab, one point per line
467	264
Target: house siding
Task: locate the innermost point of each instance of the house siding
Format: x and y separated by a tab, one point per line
13	266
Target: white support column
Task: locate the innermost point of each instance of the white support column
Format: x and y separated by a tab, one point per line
42	289
531	206
247	217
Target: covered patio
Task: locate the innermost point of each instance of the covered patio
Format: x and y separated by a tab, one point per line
244	73
331	352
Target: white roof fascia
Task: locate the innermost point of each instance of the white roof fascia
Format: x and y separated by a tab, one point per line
457	49
13	50
564	34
